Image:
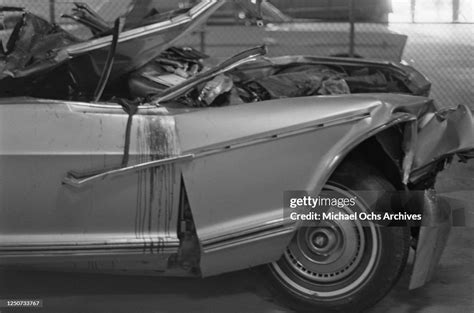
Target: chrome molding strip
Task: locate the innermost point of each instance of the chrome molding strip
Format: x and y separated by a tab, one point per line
275	135
73	181
146	246
246	239
271	225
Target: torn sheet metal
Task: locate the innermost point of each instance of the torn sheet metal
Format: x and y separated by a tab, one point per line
170	68
300	81
430	137
83	14
137	45
432	239
445	132
30	45
219	85
144	43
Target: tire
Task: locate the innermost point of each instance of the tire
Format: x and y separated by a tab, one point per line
356	274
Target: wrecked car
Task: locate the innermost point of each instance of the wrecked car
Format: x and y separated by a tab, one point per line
125	154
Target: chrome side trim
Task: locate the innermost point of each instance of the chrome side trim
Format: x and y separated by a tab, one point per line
78	180
249	238
89	248
275	135
268	226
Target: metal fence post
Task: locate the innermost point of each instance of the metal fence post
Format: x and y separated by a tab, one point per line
456	5
412	10
202	39
352	30
52	11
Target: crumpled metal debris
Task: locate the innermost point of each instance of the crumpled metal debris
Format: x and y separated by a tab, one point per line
219	85
84	14
444	133
363	80
41	57
185	62
170	68
334	86
309	80
300	81
30	44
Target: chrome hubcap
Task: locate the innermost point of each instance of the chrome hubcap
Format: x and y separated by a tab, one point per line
334	256
328	252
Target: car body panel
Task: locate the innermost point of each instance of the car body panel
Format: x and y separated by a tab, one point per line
42	216
228	145
262	146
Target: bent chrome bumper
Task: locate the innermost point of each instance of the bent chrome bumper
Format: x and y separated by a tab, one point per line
434	233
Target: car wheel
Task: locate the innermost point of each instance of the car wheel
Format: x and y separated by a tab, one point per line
343	266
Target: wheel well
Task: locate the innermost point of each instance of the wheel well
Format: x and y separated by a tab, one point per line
382	151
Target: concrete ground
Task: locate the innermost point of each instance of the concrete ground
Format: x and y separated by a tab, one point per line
450	291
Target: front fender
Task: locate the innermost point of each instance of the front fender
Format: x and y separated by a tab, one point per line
434	233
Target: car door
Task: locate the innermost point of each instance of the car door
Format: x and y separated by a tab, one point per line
84	182
61	198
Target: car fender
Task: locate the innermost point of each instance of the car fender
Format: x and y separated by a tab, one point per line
245	158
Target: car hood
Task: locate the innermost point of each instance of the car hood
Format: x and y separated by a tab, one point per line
144	35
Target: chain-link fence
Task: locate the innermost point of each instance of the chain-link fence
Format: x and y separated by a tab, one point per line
444	52
52	10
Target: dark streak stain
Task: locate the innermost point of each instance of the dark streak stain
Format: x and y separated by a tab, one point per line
157	139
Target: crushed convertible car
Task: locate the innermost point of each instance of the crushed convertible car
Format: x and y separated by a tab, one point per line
121	153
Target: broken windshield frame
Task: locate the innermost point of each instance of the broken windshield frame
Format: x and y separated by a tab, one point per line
229	64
